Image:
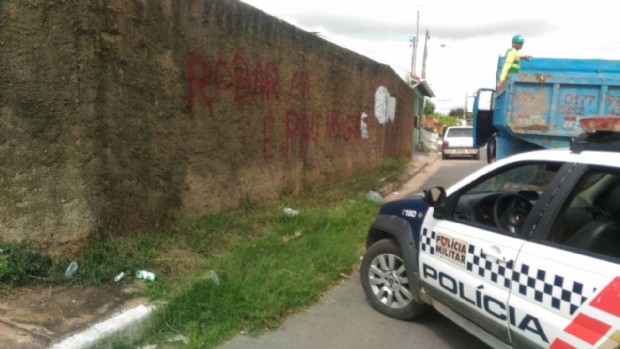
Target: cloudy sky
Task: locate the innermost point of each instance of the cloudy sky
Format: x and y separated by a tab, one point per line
474	32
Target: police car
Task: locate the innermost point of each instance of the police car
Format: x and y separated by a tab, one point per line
524	253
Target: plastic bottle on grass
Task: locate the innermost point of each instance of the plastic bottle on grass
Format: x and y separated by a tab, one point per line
214	277
290	212
374	197
146	275
73	267
118	277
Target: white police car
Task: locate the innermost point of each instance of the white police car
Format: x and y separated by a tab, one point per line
524	253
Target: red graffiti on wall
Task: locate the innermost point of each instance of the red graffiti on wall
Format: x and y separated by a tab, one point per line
300	85
225	82
303	127
194	81
263	80
302	130
266	81
352	125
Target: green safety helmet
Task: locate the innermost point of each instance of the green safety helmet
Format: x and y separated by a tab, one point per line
518	39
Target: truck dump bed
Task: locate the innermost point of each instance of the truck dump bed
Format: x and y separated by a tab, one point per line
543	104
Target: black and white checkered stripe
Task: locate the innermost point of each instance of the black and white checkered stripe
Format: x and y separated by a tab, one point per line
488	269
555	291
428	241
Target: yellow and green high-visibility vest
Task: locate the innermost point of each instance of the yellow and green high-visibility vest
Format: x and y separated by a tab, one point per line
511	65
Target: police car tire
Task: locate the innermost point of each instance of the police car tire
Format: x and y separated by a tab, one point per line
409	312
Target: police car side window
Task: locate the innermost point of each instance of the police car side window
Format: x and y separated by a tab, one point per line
476	204
589	220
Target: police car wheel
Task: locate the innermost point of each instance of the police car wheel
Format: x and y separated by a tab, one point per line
385	282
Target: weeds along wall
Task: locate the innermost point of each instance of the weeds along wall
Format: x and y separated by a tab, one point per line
116	114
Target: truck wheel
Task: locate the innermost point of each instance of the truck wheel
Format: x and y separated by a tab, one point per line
385	282
491	151
443	156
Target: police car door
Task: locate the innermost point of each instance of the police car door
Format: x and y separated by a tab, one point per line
465	258
567	278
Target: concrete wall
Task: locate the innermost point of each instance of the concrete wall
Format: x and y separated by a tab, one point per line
115	114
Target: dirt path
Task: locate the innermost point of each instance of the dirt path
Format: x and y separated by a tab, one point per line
36	316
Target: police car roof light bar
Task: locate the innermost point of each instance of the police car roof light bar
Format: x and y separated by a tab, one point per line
592	124
602	133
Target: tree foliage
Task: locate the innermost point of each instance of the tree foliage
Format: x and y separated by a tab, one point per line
448	120
456	112
429	107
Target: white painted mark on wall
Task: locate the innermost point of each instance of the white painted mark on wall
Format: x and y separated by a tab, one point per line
364	126
385	105
391	109
381	101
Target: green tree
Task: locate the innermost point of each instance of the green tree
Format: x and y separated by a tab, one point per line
429	107
456	112
449	120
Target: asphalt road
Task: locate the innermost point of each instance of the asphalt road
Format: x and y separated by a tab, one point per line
344	319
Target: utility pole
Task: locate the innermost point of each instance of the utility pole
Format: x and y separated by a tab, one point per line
465	109
416	132
412	71
428	37
415	45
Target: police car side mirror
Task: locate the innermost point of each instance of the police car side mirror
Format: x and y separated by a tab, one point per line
435	197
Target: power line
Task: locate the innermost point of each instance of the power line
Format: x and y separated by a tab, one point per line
364	54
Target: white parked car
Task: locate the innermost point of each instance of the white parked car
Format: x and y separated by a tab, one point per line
524	253
459	140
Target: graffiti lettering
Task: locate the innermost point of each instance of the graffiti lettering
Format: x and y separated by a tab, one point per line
264	80
226	82
332	127
351	127
195	81
289	131
300	85
302	130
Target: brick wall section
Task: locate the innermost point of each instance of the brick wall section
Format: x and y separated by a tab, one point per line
116	114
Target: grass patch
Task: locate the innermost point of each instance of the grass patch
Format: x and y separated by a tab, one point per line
269	264
20	262
394	165
262	280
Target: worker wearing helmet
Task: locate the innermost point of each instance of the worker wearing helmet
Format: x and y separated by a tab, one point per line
511	64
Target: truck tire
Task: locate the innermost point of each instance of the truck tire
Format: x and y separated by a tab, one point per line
491	153
385	282
443	156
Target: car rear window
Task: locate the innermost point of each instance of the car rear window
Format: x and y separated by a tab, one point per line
460	132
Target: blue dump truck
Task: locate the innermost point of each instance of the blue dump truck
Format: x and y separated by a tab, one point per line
541	106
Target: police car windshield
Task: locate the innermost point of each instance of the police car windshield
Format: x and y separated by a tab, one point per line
527	177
